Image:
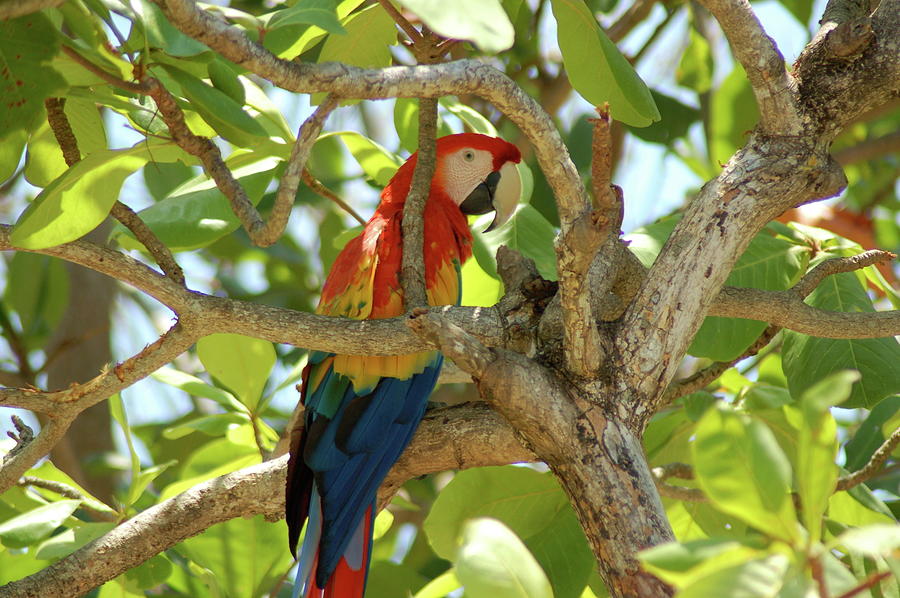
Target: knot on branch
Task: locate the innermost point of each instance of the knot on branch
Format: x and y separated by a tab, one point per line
23	436
849	39
454	342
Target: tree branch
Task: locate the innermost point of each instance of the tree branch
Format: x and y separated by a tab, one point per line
412	270
869	149
11	9
762	62
317	187
875	462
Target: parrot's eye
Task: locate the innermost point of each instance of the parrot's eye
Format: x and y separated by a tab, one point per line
468	155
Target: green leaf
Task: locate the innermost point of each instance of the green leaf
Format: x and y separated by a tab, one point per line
44	159
696	67
151	572
440	586
378	163
757	578
868	436
479	288
293	40
196	214
14	566
48	471
597	69
162	34
140	483
241	363
87	125
67	542
79	200
680	564
482	22
492	561
733	115
807	359
528	232
225	79
37	524
320	13
563	553
473	119
675	120
225	115
38	291
246	555
237	450
369	33
199	388
11	153
740	466
27	44
211	425
872	540
521	498
817	448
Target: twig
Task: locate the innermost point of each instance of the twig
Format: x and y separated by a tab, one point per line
14	465
818	574
837	265
412	271
870	582
413	33
677	470
875	462
69	492
704	377
290	180
762	62
109	78
869	149
23	436
317	187
630	19
68	143
149	240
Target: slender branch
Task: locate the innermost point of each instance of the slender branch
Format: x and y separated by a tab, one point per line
837	265
704	377
15	465
103	74
870	582
412	271
290	180
68	143
161	254
875	462
869	149
317	187
630	19
88	504
413	33
762	62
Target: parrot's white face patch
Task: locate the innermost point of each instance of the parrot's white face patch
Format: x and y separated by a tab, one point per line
464	170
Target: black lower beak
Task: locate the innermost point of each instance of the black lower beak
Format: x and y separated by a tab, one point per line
481	199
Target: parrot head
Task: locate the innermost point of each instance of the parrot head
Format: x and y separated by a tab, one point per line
479	174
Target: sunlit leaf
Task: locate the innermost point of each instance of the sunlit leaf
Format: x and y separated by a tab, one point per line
240	362
36	524
26	46
482	22
79	200
597	69
492	561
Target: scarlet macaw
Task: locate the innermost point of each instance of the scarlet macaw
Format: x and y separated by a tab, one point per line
362	411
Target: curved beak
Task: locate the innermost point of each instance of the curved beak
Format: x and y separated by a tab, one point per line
500	192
